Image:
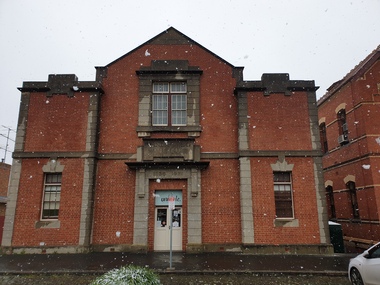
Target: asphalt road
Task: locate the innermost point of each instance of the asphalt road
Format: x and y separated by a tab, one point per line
185	279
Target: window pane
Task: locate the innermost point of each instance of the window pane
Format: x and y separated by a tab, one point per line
161	87
179	118
160	102
50	212
284	203
178	87
161	218
160	118
179	102
52	196
281	176
160	110
283	194
179	112
52	188
53	178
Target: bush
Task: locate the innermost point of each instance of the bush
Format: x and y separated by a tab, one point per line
128	275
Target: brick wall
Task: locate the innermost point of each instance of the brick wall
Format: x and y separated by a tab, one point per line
56	123
5	170
279	122
221	203
357	159
113	203
4	180
29	203
304	202
119	109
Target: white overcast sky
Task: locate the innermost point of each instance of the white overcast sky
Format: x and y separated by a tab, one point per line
319	40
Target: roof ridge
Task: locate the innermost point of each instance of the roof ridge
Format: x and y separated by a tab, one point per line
338	84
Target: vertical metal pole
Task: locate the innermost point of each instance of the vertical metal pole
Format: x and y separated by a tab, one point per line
171	236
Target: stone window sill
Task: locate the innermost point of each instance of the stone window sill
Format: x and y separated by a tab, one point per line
286	223
52	224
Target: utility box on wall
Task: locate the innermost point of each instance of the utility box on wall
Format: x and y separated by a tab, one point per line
336	237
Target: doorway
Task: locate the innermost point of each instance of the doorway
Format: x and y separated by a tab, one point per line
162	229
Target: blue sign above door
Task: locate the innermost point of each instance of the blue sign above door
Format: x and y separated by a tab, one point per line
162	197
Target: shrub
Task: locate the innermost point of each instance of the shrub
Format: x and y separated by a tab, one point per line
128	275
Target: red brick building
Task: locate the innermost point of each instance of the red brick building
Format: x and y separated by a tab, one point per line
97	164
5	170
349	120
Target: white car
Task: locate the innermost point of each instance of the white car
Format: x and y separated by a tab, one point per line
365	268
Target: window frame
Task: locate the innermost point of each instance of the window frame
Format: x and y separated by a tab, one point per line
331	200
353	199
277	199
58	185
342	125
170	93
323	137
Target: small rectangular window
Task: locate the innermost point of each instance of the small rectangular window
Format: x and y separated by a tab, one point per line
52	195
283	194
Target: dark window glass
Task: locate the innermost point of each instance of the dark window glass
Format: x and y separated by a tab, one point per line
52	196
354	200
331	201
283	194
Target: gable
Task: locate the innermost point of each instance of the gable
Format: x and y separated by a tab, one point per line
170	36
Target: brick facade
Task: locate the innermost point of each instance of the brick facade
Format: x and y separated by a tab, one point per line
356	158
5	170
99	135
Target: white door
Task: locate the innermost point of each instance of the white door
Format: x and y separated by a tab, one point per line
162	229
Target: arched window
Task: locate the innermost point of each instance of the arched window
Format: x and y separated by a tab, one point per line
331	201
354	200
342	126
323	137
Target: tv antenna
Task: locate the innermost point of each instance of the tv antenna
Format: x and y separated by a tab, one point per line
9	130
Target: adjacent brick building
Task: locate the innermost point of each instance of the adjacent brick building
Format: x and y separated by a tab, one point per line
5	170
96	164
349	120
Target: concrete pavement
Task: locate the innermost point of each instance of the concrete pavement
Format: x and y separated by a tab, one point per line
97	262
